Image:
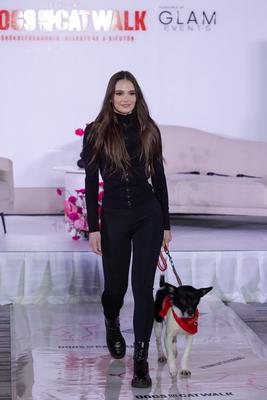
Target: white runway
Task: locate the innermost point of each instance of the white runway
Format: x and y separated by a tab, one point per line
58	338
61	355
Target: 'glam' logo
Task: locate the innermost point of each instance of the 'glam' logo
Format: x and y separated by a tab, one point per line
49	20
175	18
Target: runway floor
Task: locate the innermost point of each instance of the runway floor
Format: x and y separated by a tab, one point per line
60	353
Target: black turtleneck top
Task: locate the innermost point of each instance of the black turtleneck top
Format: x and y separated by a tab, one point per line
122	192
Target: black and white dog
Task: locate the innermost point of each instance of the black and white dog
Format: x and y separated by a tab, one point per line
179	306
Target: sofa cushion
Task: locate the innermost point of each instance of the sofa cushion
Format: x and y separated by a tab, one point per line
218	191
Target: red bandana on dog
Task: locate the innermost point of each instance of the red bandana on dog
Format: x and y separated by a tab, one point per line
188	324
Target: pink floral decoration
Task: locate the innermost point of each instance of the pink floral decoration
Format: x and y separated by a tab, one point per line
79	132
76	213
59	191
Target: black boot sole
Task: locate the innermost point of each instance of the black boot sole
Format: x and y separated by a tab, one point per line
116	356
141	384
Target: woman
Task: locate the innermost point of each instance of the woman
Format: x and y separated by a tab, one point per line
124	144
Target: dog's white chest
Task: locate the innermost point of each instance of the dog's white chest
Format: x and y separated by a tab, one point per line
172	326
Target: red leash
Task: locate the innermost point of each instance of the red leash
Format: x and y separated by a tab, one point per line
162	263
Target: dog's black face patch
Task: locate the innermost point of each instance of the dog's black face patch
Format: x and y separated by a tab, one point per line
186	298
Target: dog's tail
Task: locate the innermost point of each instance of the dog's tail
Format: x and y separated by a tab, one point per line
162	280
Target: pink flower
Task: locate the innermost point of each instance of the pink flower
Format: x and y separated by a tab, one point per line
101	184
73	216
79	132
76	237
79	210
59	191
80	224
72	199
69	208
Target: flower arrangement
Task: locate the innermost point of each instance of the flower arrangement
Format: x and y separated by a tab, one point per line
76	214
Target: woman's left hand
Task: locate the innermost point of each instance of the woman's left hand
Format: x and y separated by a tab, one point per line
167	237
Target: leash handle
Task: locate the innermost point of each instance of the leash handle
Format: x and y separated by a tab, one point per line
162	263
172	264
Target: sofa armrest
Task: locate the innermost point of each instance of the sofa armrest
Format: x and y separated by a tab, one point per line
5	164
6	175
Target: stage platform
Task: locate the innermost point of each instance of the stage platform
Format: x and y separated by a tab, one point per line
46	265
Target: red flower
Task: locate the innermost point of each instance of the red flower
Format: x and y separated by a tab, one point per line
59	191
72	199
73	216
79	132
76	237
82	191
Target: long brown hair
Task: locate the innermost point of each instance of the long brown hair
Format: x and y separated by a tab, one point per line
108	138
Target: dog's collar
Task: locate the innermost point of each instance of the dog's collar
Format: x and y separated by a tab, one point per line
190	325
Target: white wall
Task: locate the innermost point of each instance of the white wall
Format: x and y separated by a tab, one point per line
213	80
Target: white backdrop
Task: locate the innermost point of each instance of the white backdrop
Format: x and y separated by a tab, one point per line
209	77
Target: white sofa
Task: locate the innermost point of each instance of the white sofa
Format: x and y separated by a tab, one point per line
191	150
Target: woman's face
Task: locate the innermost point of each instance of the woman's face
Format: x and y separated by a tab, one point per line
124	98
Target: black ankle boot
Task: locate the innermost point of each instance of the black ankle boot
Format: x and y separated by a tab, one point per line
115	341
141	378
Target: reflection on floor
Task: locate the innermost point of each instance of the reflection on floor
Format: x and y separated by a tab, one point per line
61	355
254	315
5	353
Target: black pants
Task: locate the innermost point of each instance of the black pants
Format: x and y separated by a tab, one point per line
139	229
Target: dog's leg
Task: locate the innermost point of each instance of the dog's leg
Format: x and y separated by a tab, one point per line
168	340
184	362
158	326
174	346
171	331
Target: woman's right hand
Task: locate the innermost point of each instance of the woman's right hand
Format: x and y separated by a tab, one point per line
95	242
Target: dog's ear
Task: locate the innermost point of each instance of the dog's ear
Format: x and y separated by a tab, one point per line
171	289
204	291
